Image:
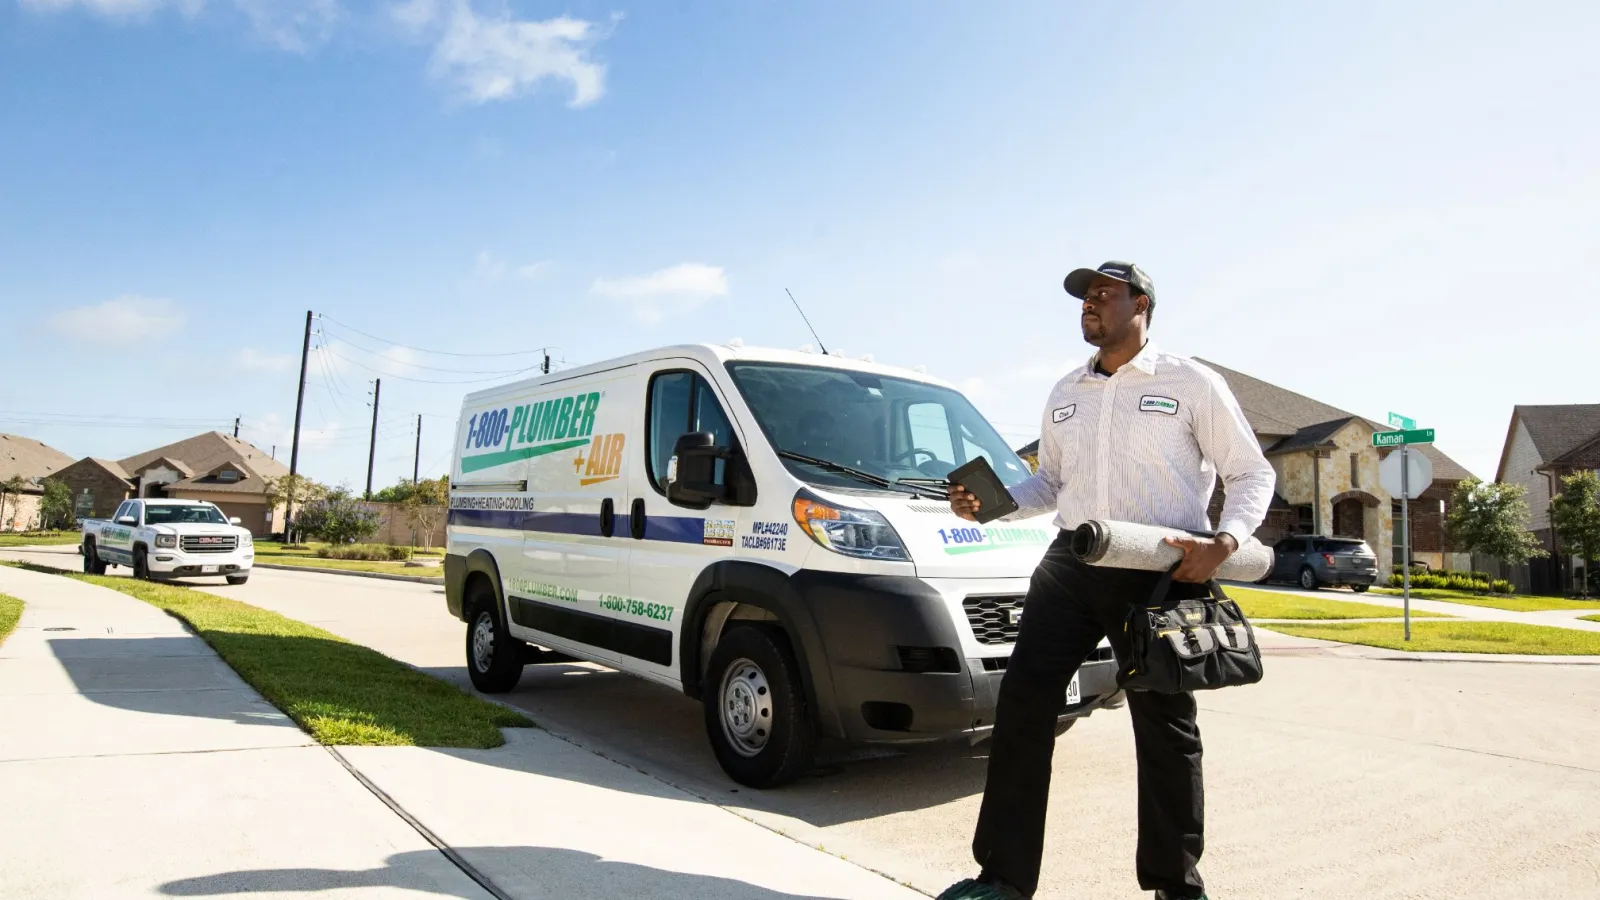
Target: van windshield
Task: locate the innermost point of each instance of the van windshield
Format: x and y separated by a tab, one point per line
182	515
892	428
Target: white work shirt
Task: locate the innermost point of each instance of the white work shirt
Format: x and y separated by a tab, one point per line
1146	445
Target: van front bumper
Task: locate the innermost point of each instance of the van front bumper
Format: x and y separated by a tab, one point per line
895	659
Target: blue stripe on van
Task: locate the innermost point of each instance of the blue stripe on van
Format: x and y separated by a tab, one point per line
672	529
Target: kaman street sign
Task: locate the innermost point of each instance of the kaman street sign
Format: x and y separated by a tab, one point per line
1396	438
1398	421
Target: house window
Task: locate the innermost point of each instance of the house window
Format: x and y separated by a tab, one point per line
1355	471
1305	525
228	475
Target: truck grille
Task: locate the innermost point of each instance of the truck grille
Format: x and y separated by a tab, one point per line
209	543
991	618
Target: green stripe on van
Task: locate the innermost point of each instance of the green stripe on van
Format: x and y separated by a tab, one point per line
490	460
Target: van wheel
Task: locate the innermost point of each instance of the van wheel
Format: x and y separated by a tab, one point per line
1064	725
141	564
493	658
92	563
756	714
1308	579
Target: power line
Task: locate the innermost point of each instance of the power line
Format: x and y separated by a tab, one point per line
414	365
383	374
329	318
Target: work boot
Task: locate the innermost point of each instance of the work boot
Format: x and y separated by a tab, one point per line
979	889
1163	895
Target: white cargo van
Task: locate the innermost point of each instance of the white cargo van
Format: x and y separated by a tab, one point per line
761	529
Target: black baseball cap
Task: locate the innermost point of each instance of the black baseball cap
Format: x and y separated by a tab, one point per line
1077	283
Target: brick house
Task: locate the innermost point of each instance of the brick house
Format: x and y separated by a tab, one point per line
1327	476
32	461
1543	445
214	467
98	486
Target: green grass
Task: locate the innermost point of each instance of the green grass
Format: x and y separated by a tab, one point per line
1512	603
1456	637
1271	605
10	612
276	549
1595	618
339	692
352	565
40	539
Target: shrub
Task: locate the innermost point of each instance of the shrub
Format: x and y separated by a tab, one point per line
338	518
1462	583
371	552
1501	586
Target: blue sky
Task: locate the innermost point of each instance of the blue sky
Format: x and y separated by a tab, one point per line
1382	205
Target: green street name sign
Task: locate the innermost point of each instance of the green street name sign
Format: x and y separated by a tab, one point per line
1396	438
1398	421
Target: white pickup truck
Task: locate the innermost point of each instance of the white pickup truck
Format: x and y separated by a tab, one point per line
169	539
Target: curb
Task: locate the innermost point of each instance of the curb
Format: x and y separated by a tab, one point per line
416	579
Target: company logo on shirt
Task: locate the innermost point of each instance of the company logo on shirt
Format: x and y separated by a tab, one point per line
1150	403
534	429
1064	413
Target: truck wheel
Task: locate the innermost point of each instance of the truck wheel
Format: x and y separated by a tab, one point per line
755	708
141	564
238	579
1308	579
493	658
92	563
1359	588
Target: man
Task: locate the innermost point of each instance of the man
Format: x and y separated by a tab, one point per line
1136	435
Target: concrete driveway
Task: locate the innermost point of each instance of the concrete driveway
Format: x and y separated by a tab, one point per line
1336	775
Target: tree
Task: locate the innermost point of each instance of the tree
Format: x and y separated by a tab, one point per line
56	505
338	518
1492	519
424	505
398	492
1575	513
11	488
298	487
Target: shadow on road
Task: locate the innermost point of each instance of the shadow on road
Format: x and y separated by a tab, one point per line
554	872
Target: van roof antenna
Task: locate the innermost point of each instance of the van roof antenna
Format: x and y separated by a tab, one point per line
807	321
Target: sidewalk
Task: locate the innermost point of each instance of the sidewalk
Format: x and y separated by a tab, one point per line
133	762
1558	618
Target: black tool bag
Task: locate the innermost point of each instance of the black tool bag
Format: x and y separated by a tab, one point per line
1199	644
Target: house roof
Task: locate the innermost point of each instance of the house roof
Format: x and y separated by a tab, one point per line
252	481
29	458
175	464
1276	411
1583	456
1312	436
1559	430
203	453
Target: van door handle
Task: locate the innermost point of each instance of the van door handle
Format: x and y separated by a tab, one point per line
608	518
636	519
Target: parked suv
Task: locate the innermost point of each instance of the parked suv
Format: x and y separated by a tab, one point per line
1313	562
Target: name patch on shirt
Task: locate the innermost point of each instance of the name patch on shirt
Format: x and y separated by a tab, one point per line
1152	403
1064	413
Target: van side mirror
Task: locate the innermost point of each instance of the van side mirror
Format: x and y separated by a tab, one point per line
691	475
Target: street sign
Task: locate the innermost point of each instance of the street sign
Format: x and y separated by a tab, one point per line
1398	421
1418	479
1397	438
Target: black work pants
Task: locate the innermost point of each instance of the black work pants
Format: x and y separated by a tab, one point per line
1069	608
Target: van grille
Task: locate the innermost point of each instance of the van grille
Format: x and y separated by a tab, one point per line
210	543
991	618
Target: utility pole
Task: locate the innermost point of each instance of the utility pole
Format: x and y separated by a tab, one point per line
416	461
236	427
547	364
372	448
294	451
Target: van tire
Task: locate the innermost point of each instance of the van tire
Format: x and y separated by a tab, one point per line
92	563
1064	725
754	680
494	659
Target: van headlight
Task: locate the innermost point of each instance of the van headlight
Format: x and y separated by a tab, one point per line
166	540
861	533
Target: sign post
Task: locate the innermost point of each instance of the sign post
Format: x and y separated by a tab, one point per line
1407	476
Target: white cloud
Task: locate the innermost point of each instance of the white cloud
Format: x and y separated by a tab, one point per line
497	57
677	289
488	268
292	25
252	360
119	321
114	8
533	270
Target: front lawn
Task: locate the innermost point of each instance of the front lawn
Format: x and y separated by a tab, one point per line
1273	605
40	539
1595	618
1510	602
279	549
10	612
1456	637
353	565
338	692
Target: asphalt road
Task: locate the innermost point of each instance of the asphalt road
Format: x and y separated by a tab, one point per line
1334	776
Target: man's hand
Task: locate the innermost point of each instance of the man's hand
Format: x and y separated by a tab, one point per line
1201	556
964	503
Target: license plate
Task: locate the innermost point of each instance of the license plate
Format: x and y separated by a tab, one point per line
1074	692
208	570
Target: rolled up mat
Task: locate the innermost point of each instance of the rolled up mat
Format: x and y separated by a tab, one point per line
1127	545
